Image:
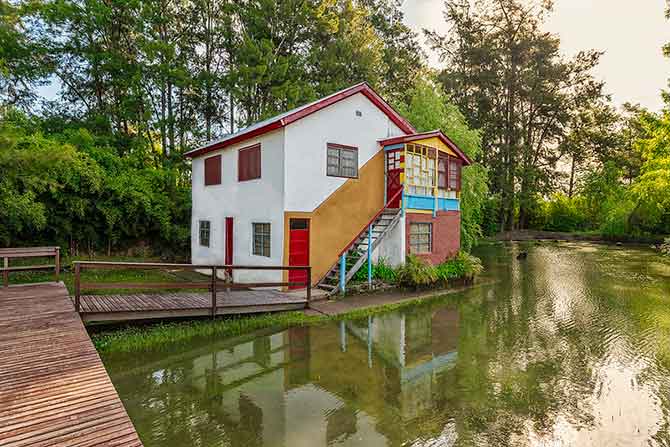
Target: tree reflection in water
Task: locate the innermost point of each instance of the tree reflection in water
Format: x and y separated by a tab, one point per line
569	346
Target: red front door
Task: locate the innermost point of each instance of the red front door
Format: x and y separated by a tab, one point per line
394	161
229	241
298	250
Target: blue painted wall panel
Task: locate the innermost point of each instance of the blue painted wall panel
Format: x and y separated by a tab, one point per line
449	204
427	203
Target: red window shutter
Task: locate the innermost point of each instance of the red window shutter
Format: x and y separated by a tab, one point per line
249	163
443	172
454	177
458	174
213	170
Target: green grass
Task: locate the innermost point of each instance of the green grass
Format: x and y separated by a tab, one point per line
143	338
136	338
104	275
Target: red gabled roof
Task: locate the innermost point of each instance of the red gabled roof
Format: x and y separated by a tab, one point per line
421	136
294	115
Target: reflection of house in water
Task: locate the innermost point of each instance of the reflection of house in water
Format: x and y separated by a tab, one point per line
378	381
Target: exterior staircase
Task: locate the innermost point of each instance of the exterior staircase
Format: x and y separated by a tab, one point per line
356	253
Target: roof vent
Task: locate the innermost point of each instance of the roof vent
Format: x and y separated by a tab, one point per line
359	113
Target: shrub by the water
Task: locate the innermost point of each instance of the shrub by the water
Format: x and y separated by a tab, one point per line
665	247
463	266
416	273
381	271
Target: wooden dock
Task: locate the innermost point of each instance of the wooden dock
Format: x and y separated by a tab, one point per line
96	308
54	389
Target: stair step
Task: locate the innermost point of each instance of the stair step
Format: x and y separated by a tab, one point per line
327	287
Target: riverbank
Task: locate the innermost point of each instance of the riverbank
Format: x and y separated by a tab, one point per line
133	338
538	235
379	302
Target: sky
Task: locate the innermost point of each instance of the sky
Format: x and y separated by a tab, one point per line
630	32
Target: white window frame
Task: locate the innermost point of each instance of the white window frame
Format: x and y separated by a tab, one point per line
268	236
412	234
334	157
201	229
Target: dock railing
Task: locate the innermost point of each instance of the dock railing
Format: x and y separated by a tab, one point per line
213	284
28	252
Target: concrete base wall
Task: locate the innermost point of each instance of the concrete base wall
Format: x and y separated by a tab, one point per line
392	247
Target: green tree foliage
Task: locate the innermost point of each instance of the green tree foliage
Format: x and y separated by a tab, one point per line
71	190
100	166
429	108
510	80
177	72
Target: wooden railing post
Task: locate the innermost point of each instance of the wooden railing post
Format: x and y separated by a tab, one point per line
5	273
57	264
77	286
214	279
309	285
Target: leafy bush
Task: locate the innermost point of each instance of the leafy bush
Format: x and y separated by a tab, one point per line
416	273
616	223
384	272
381	271
665	247
463	266
74	190
564	214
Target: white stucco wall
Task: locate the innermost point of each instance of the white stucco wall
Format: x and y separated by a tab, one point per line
260	200
392	248
306	182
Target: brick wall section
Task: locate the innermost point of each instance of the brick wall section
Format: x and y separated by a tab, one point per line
446	234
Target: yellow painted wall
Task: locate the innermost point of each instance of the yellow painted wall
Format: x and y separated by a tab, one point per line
341	216
437	143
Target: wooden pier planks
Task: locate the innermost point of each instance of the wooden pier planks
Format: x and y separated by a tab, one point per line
186	304
54	390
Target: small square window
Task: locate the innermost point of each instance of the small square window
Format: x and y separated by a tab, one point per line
204	233
261	239
420	238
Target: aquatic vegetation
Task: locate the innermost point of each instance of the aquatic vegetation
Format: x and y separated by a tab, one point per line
143	338
418	273
132	338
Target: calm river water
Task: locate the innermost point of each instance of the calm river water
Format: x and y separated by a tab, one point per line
570	347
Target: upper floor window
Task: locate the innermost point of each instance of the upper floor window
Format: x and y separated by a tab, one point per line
261	238
249	163
442	164
204	233
213	170
342	161
420	170
454	174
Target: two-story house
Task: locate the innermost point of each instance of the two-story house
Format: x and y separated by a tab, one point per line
329	184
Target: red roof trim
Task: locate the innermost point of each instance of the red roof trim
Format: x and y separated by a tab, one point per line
363	88
420	136
237	139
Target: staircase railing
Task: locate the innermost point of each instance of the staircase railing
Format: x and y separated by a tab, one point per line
344	278
367	225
